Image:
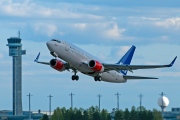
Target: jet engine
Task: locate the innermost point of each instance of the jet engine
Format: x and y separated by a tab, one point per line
57	65
96	66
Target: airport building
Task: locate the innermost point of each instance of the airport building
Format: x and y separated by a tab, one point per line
8	115
174	114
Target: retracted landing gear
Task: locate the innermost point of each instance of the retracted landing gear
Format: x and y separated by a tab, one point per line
97	78
75	77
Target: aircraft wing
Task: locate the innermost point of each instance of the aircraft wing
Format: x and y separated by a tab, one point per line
36	60
135	67
67	66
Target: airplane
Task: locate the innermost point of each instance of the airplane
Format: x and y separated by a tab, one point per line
76	59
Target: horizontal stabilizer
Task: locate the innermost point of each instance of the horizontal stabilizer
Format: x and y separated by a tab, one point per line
138	77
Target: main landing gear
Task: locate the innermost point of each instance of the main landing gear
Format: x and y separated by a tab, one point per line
75	77
97	78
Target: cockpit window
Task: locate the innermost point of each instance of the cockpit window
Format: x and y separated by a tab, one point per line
56	40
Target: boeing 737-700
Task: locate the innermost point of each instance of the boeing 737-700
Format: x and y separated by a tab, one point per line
76	59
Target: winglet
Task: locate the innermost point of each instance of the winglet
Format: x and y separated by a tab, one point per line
171	64
36	60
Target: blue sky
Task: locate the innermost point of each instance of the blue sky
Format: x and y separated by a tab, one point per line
106	29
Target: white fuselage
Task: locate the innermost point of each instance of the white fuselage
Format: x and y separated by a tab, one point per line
76	57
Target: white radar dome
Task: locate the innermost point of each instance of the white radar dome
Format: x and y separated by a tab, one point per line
163	101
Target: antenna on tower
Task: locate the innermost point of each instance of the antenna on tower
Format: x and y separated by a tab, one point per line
19	34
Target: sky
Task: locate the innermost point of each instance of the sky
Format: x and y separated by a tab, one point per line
106	29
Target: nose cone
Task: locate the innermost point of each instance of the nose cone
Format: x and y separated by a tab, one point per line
49	45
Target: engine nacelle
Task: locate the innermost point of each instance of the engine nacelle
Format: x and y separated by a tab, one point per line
96	66
57	65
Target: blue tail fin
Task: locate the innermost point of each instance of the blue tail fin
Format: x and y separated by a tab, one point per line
126	59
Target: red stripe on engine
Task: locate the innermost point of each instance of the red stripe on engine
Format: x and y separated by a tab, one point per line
59	65
98	66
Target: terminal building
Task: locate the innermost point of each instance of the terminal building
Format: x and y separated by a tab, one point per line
8	115
174	114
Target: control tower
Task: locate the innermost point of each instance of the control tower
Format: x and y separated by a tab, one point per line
16	52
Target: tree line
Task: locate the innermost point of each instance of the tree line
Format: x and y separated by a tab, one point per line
93	113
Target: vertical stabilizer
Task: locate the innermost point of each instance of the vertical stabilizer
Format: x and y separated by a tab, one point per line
126	59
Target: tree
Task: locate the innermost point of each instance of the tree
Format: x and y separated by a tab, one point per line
157	115
103	114
133	114
142	108
78	115
144	115
67	115
108	117
141	113
85	115
126	114
96	116
119	115
93	113
53	117
150	115
63	111
45	117
71	113
57	115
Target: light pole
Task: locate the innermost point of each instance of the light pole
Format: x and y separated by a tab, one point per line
140	98
117	100
99	96
71	99
50	96
29	105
